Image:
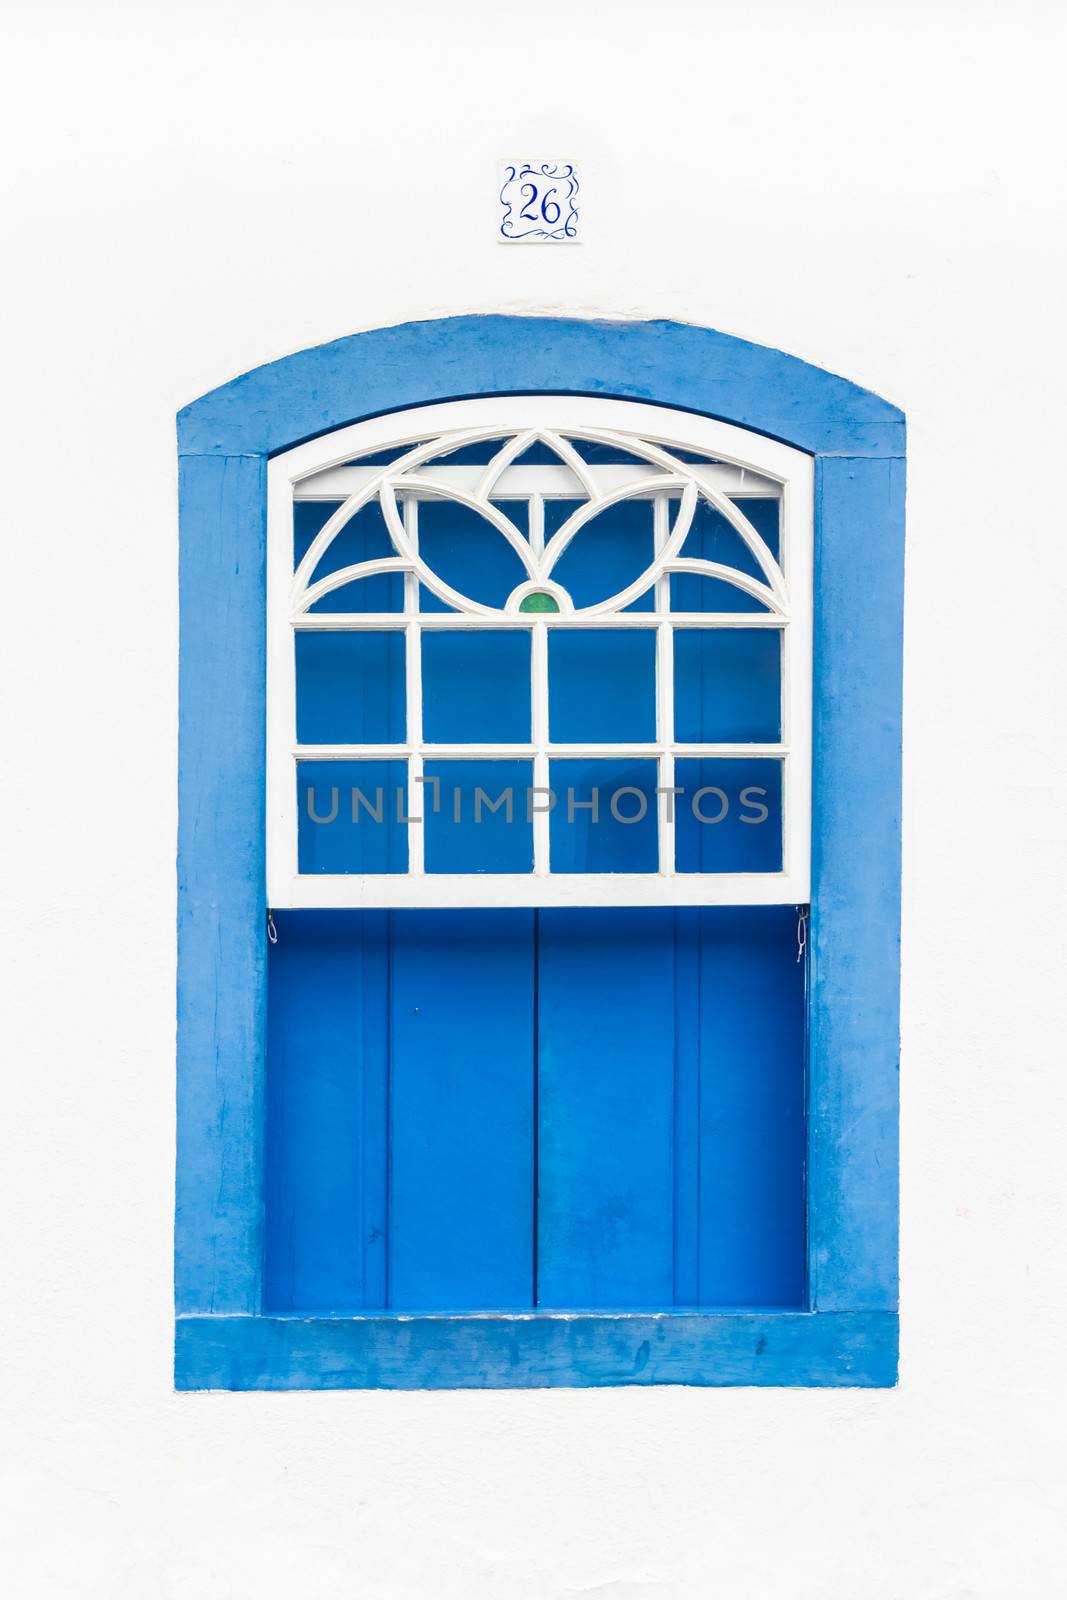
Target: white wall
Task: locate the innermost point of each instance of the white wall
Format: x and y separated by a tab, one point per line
191	190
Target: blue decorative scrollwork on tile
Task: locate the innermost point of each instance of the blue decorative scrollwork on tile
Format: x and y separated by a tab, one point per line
539	203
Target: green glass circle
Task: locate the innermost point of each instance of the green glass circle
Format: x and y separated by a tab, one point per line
538	601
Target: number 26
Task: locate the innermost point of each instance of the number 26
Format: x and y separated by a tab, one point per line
550	211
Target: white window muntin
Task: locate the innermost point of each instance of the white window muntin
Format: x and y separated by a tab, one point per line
749	465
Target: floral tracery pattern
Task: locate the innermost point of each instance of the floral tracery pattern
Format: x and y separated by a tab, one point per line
682	484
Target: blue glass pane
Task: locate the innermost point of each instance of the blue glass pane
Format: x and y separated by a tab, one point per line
517	510
466	551
350	688
481	820
597	454
764	515
382	458
689	592
539	455
727	685
469	455
350	816
428	601
711	538
729	819
556	513
604	816
476	687
601	685
607	554
701	456
363	538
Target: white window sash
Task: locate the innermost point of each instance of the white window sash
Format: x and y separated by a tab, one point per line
749	466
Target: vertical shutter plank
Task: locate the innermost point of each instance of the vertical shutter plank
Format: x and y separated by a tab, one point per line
687	980
326	1112
606	1094
462	1096
752	1123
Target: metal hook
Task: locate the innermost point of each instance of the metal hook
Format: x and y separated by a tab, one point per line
802	932
272	932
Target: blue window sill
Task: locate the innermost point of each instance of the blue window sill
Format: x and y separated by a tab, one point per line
836	1349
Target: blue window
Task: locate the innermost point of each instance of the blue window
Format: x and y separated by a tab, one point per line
476	687
727	685
349	688
538	971
602	685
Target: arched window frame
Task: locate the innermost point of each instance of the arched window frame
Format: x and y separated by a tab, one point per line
227	439
785	588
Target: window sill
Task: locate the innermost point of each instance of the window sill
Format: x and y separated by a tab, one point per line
840	1349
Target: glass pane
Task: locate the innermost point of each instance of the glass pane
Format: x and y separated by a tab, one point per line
607	554
556	513
468	553
516	509
364	538
603	816
602	685
597	454
477	816
350	688
727	685
729	817
476	687
539	600
350	816
468	455
538	455
690	592
701	456
382	458
764	515
711	538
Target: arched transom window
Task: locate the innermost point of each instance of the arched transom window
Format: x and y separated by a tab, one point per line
539	650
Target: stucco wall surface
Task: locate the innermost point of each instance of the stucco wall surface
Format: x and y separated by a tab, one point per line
190	191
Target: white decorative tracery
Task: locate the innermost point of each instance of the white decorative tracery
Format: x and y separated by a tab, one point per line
412	474
605	453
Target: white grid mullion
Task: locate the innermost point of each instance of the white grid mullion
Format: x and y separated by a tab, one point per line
539	729
664	692
413	687
536	523
519	752
440	621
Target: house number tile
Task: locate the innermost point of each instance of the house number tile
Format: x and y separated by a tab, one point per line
538	203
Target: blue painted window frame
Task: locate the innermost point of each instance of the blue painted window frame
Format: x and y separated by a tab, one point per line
849	1333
